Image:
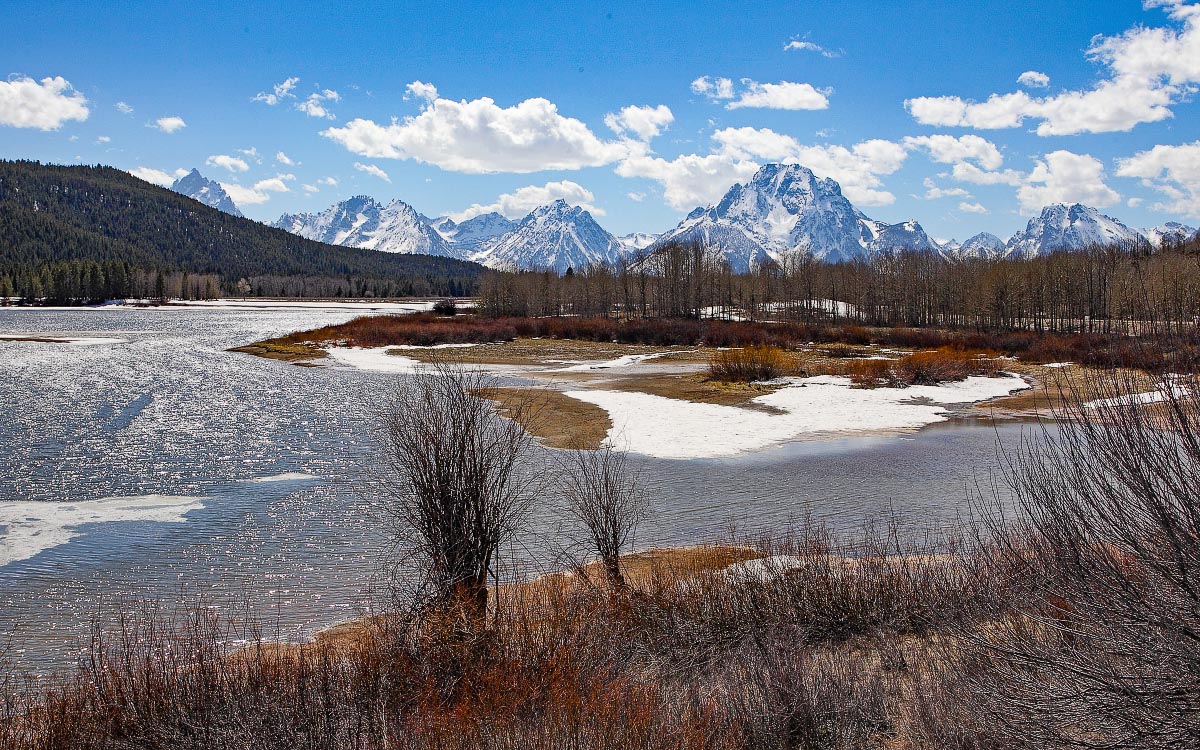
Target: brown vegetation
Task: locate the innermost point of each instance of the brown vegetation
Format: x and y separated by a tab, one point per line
749	364
920	368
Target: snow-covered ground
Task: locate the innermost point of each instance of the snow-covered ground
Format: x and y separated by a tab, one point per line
1136	399
29	527
372	359
673	428
626	361
265	304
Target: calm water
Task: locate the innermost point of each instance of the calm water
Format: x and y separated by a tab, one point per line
191	431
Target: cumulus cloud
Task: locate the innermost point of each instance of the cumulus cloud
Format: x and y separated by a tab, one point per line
260	192
330	181
972	208
283	158
278	92
420	90
225	161
372	170
690	180
782	95
124	108
1173	171
636	197
1033	79
1146	72
1065	177
46	104
965	172
316	105
168	124
947	149
156	176
521	201
750	93
103	139
479	137
803	45
713	88
310	189
934	192
643	122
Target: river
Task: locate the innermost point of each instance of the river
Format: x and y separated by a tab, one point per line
155	466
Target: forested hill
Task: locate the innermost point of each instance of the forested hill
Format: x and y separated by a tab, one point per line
55	217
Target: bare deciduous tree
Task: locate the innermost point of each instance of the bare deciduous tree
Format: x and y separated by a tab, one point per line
458	480
605	493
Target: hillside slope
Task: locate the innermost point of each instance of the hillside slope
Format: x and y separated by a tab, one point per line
50	214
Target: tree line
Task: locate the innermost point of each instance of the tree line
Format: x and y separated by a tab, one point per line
1114	288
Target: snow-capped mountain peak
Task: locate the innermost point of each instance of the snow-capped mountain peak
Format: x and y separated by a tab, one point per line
209	192
785	208
1060	226
361	221
557	236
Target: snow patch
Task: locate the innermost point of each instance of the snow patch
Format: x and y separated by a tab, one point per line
287	476
671	428
626	361
28	527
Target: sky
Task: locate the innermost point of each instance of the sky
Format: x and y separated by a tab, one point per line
965	116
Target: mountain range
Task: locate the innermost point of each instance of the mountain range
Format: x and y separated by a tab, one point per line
783	208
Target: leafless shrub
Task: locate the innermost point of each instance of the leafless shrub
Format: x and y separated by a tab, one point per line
457	480
1105	651
604	493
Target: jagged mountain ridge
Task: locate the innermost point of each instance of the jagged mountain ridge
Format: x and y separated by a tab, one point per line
556	236
209	192
781	209
785	208
361	221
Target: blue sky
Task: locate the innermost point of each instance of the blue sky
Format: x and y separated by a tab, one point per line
965	116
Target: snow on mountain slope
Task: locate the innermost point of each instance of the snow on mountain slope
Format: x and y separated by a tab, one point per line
1172	231
635	241
1068	227
472	233
362	222
557	236
785	207
209	192
982	245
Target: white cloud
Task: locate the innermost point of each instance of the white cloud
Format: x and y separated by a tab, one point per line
420	90
103	139
310	189
252	153
1173	171
857	169
1033	79
283	158
690	180
168	124
260	192
316	104
521	201
644	122
807	46
330	181
1134	202
1065	177
373	170
972	208
782	95
713	88
636	197
947	149
965	172
124	108
45	104
156	176
244	196
278	93
480	137
225	161
933	192
1147	71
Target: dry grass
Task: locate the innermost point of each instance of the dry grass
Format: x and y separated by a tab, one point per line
559	420
285	352
750	364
